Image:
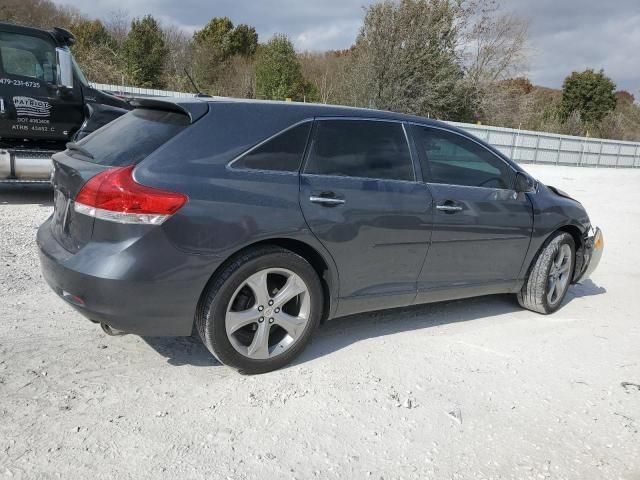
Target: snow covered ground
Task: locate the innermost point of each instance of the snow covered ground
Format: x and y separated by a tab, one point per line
467	389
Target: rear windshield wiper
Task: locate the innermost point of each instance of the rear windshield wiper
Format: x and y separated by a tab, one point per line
74	146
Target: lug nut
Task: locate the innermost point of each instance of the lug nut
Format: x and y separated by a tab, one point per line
271	320
277	310
270	302
260	308
261	319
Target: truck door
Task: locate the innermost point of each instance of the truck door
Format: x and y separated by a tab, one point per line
32	106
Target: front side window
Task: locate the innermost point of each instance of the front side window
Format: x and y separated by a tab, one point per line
27	56
451	159
360	148
282	153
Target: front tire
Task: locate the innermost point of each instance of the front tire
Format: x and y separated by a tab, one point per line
259	312
550	276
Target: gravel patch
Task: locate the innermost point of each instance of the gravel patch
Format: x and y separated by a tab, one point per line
458	390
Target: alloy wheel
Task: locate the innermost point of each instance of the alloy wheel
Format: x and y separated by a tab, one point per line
559	275
268	313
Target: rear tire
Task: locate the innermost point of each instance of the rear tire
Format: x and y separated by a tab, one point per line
259	311
550	275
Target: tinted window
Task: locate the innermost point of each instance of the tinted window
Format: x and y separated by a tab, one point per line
132	137
27	56
281	153
360	148
455	160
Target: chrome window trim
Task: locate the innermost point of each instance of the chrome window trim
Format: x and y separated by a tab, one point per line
369	179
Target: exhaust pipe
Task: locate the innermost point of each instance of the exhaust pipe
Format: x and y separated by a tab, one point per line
112	332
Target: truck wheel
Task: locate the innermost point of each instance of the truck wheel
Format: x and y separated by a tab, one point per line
259	312
550	275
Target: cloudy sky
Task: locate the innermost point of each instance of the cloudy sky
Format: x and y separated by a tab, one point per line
565	35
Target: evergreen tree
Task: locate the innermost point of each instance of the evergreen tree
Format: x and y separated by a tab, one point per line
589	93
145	53
278	71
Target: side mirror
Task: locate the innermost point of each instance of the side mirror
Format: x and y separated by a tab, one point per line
524	183
65	68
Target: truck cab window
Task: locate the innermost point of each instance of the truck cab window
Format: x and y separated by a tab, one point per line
25	56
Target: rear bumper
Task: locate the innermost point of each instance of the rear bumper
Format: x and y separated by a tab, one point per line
134	288
593	248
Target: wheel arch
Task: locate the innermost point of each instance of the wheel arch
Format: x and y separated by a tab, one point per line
574	232
577	236
324	268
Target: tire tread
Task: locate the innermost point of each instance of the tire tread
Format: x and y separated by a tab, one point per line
532	296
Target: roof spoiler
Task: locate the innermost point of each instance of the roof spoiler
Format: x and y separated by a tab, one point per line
193	108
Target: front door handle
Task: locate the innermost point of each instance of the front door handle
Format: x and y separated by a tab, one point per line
326	201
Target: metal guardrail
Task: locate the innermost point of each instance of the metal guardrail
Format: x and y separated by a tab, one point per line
527	146
139	92
523	146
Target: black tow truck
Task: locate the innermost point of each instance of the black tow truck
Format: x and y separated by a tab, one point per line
45	101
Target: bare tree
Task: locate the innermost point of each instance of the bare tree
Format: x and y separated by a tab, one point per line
326	71
494	43
238	79
37	13
180	58
118	25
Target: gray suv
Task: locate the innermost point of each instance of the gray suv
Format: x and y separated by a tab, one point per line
254	222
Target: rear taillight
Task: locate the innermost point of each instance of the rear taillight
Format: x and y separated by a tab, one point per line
115	196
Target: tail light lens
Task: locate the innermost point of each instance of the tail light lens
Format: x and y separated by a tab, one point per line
114	195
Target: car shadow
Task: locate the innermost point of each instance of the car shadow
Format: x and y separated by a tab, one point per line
181	351
26	194
584	289
342	332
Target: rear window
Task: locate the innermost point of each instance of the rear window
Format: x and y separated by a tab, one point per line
132	137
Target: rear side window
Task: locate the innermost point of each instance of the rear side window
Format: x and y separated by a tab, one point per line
455	160
282	153
360	148
132	137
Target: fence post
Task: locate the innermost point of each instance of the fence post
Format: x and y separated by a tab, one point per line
618	154
581	154
535	155
600	154
515	145
635	156
558	153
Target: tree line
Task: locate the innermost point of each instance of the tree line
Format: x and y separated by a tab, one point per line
457	60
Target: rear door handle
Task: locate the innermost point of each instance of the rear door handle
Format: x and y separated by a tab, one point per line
326	201
449	208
